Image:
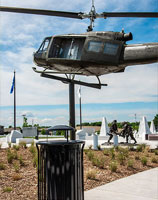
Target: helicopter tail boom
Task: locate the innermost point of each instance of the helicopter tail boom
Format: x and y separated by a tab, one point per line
140	54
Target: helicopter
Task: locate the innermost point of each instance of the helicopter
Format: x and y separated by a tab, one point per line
90	53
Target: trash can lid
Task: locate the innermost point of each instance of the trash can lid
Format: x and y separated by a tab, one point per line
60	142
60	128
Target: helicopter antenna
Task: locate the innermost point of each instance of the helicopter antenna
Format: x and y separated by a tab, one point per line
92	17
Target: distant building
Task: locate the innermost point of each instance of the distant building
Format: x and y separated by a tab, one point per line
1	130
8	130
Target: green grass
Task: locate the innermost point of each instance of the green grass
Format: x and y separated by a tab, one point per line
98	162
21	161
2	166
91	174
7	189
16	167
144	161
113	166
154	160
90	155
16	147
130	163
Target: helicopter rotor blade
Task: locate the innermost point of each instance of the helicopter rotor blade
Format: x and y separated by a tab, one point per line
129	14
42	12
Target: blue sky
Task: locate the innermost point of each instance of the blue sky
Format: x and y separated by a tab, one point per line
129	93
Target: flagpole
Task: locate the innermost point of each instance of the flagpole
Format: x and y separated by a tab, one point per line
14	103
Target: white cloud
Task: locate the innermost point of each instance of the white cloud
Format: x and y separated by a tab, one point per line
21	35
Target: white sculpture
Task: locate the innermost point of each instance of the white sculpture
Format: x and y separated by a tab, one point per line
14	135
143	128
81	134
152	127
104	128
95	141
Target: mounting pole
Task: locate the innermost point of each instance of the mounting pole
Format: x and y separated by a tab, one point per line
72	108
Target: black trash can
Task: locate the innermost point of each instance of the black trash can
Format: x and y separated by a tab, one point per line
60	169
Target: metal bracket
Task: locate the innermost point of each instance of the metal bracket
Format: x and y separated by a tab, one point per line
69	80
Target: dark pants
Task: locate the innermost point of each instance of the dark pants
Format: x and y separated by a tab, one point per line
111	136
132	138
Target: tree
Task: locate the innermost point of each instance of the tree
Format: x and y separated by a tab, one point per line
25	124
156	121
43	132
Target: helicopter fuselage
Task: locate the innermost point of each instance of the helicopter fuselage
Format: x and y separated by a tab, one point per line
93	53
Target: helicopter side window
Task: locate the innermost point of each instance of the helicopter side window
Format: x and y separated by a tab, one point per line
95	46
44	45
111	49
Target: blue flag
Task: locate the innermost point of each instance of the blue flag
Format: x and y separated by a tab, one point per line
13	83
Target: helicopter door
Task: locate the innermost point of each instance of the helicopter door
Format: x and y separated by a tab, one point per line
67	48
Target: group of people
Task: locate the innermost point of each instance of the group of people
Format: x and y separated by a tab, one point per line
126	132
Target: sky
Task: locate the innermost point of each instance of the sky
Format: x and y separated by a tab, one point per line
46	101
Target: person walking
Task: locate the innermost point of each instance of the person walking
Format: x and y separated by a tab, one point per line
130	133
113	130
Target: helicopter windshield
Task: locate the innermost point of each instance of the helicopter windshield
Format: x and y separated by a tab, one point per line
44	45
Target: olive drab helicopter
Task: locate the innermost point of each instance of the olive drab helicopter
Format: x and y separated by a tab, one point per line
90	53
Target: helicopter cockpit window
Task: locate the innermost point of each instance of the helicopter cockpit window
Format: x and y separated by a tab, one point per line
111	49
44	45
95	46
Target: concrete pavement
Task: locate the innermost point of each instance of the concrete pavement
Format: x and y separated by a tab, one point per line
140	186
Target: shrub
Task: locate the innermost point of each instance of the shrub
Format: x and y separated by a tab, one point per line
141	147
131	148
106	152
91	174
122	155
113	166
154	160
112	153
10	156
121	158
15	155
98	162
90	147
144	161
86	151
9	144
35	160
16	167
117	148
7	189
2	166
90	155
130	163
32	149
16	147
21	161
22	144
124	151
137	157
99	147
16	177
156	152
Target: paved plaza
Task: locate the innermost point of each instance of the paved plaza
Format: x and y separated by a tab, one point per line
140	186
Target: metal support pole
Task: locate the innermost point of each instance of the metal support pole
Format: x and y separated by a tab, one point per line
14	102
80	114
72	108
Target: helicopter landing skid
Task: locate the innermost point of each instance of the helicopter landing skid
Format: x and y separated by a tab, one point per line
68	80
